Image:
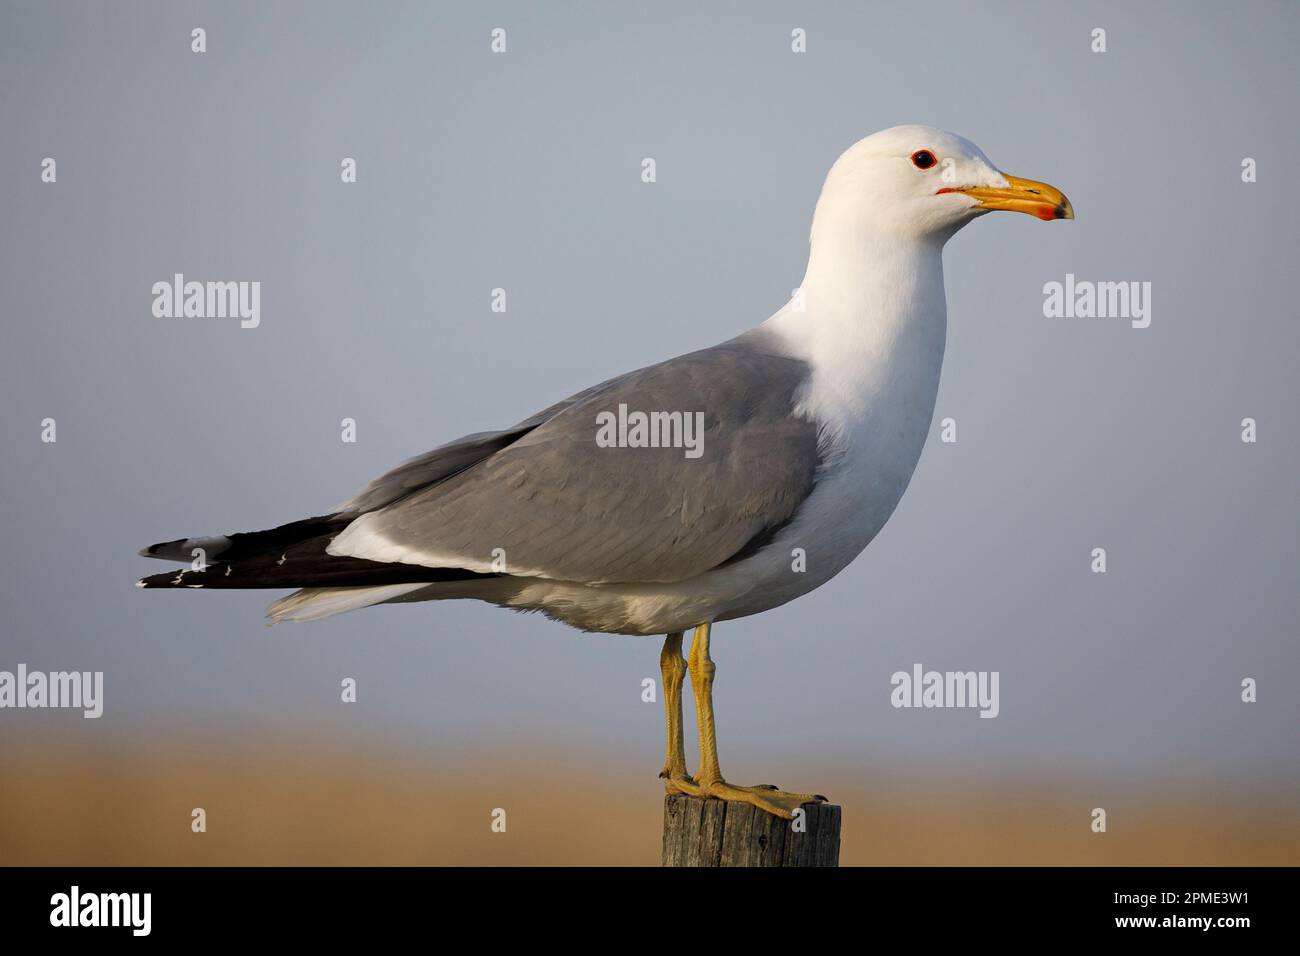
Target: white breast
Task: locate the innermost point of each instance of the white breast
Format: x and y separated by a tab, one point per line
876	349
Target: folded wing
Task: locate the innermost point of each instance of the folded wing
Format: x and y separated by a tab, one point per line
555	502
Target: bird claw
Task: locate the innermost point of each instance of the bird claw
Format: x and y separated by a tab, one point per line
765	797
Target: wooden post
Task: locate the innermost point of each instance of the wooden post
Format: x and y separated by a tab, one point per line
700	832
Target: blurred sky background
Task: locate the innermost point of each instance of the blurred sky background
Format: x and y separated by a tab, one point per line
522	170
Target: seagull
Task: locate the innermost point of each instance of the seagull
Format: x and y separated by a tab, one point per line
706	488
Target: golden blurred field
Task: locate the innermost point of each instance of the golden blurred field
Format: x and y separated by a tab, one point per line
273	801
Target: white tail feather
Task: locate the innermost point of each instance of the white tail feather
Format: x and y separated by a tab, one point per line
312	604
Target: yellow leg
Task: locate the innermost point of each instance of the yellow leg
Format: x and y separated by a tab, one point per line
673	667
709	780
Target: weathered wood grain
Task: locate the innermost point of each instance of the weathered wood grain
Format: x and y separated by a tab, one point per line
699	832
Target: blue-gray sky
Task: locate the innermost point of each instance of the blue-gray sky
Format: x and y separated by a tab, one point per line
522	171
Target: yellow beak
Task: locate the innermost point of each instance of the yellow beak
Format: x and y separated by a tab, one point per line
1021	195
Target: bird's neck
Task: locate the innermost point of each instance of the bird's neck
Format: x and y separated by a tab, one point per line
870	318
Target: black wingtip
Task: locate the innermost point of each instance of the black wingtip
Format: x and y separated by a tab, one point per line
161	548
169	579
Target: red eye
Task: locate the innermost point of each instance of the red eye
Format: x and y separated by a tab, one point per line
923	159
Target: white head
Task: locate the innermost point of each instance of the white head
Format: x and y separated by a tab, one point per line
921	183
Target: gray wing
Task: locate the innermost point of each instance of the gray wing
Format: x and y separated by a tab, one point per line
441	463
561	506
